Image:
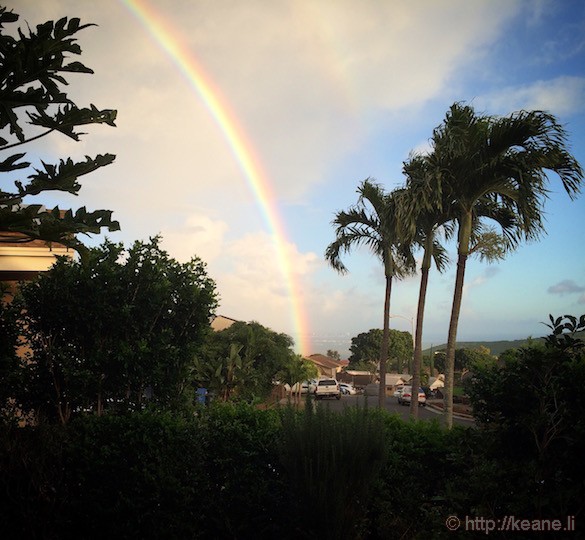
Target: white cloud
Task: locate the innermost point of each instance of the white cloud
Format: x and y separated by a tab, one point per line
252	283
321	90
302	83
199	235
567	286
334	302
489	273
560	96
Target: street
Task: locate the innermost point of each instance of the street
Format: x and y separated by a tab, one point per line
425	413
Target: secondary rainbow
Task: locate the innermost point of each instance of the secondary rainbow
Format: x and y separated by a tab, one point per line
168	38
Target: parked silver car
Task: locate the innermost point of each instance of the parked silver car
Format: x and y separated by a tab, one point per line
398	391
406	395
347	389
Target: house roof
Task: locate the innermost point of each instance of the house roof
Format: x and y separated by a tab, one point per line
355	372
21	256
325	361
437	382
392	379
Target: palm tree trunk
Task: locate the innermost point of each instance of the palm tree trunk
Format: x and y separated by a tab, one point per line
385	342
420	312
464	239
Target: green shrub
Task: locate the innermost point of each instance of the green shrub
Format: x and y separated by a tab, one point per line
33	490
233	471
424	462
331	460
128	475
245	493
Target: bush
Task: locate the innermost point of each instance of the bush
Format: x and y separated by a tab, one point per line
232	471
143	475
33	492
331	460
132	476
244	492
424	464
532	407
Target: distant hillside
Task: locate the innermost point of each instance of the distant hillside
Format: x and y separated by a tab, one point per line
496	347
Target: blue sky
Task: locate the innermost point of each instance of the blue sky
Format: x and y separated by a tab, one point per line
329	93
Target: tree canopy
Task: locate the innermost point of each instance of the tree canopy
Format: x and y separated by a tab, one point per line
365	349
243	360
33	104
111	332
465	359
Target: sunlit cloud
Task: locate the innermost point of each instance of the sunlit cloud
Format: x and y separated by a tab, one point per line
327	93
199	235
251	283
482	279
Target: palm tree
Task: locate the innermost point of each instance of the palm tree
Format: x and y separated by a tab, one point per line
372	222
496	168
422	217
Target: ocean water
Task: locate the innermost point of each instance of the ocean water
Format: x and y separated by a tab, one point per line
320	344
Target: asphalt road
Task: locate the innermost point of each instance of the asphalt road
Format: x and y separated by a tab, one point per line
425	413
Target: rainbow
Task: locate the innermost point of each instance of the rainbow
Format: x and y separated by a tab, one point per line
168	38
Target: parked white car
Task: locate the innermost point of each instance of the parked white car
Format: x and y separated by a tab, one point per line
327	388
406	395
305	386
347	389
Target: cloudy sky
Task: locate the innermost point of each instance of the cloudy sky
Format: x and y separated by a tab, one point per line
244	126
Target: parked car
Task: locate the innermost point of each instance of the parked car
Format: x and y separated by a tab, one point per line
398	392
347	389
406	395
327	388
305	386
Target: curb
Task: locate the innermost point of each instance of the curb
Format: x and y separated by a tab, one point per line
439	410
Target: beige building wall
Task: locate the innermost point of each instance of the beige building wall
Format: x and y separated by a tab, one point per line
220	323
24	260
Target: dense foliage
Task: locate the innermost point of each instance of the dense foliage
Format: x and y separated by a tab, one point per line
233	471
465	359
332	461
9	362
237	472
244	360
532	403
365	350
143	475
112	332
33	66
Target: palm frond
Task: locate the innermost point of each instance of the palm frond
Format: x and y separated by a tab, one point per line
373	223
